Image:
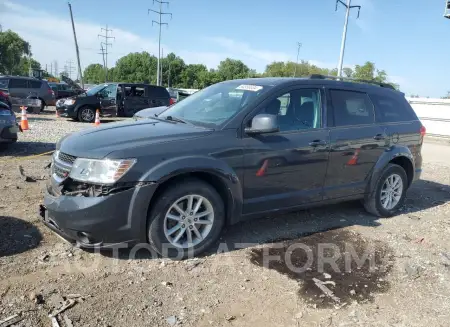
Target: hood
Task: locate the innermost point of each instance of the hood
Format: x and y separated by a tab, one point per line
150	112
98	142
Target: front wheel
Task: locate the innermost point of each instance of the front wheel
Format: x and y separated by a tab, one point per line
186	219
389	194
86	115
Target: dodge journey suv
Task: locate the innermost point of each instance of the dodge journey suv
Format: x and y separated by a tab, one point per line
232	151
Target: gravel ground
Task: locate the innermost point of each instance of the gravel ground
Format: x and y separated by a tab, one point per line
45	130
408	284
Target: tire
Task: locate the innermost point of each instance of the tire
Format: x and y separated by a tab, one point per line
86	114
373	203
159	225
42	105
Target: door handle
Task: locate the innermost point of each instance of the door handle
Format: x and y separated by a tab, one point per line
317	143
379	137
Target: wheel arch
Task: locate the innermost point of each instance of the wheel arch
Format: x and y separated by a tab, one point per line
212	171
401	156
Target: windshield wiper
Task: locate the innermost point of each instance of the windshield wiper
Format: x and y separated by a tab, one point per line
176	119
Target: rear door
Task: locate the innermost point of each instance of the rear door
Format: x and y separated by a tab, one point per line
34	86
18	88
136	98
158	96
357	142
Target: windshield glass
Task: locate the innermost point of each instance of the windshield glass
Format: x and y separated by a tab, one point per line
216	104
95	89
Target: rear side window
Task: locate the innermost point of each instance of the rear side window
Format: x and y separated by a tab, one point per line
4	83
18	83
351	108
34	84
392	109
158	92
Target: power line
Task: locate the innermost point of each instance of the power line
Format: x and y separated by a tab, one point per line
160	14
106	44
348	6
69	68
299	45
103	57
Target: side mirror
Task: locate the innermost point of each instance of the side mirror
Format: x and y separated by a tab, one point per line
262	124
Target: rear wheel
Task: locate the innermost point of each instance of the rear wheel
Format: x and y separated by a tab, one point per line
186	219
390	192
86	115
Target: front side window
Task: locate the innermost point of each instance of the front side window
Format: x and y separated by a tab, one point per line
110	91
4	83
216	104
351	108
296	110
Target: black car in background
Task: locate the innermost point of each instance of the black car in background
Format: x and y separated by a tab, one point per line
233	151
63	90
114	99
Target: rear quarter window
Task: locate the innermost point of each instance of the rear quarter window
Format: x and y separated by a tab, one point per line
158	92
351	108
35	84
392	108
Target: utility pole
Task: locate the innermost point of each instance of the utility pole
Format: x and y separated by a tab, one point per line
76	46
348	7
103	56
69	68
106	44
51	68
56	68
160	23
299	45
161	70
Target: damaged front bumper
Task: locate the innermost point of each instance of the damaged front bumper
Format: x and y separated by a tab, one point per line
97	216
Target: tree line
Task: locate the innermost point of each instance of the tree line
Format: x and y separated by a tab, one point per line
141	67
15	59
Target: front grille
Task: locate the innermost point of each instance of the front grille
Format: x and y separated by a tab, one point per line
61	173
67	158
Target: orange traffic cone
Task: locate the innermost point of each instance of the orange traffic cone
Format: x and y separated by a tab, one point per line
97	118
354	160
24	119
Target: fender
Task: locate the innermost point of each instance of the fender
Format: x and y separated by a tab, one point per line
202	164
390	154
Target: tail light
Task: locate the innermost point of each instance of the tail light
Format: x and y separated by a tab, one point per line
423	131
171	101
50	91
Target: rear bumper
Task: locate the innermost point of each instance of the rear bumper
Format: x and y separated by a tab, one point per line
8	134
102	221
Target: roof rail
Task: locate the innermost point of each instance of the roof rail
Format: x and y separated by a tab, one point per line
320	76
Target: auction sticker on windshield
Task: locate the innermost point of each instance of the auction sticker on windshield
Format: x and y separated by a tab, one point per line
253	88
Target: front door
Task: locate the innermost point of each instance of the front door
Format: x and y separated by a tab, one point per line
356	144
287	168
136	99
108	102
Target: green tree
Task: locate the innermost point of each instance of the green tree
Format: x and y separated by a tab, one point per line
172	67
12	49
232	69
194	76
136	68
94	74
23	68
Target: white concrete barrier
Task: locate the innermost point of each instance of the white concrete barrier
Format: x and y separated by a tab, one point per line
434	114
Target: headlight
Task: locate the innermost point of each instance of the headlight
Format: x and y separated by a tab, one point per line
69	102
100	171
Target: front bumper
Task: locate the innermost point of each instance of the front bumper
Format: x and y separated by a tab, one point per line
102	221
8	134
66	111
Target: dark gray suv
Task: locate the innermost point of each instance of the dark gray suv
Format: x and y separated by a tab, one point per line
22	87
233	151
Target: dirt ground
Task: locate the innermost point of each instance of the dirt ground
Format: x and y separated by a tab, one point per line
232	286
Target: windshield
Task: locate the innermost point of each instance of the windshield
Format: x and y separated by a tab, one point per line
95	89
216	104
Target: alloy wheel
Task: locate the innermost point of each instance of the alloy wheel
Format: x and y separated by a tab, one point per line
391	191
188	221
